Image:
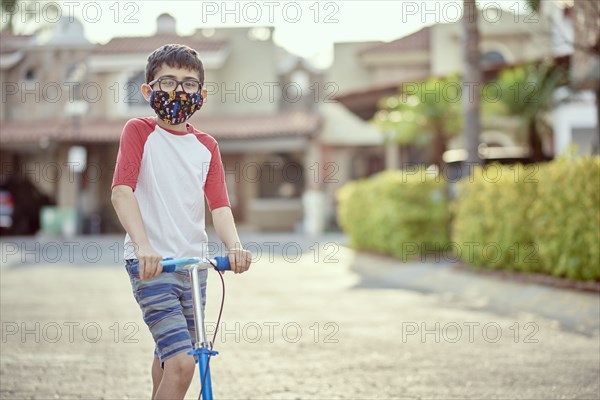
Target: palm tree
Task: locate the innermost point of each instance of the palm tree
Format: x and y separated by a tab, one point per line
534	4
586	15
528	92
472	78
587	50
429	116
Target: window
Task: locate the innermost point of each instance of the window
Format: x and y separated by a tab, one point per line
30	74
492	58
281	177
31	79
260	34
133	91
301	79
76	72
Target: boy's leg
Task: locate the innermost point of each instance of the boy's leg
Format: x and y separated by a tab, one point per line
160	302
157	373
176	378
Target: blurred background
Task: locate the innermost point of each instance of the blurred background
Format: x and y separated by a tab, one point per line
334	97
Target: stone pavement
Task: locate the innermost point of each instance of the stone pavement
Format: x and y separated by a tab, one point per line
301	325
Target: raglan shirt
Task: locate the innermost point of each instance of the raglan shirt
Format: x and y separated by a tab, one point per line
171	173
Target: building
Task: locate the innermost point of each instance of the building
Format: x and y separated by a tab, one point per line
259	107
36	109
368	72
576	120
289	135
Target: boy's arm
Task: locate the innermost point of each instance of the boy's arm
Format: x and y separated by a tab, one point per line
239	258
128	211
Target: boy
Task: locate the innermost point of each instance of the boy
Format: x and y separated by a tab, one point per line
165	168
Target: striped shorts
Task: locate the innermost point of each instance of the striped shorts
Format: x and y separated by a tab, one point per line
166	304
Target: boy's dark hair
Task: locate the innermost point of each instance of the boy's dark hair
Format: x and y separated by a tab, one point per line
175	56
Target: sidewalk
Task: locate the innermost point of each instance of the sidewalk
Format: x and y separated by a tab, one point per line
304	326
573	310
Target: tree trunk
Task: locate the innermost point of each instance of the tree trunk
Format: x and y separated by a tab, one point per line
597	149
535	142
472	80
439	147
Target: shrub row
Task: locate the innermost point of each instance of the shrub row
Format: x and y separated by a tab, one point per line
393	211
490	217
542	218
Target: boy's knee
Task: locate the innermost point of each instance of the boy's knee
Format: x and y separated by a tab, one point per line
181	366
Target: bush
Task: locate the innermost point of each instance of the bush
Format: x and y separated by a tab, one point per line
490	225
537	218
565	219
403	213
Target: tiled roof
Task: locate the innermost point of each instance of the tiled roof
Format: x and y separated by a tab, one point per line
363	102
10	43
258	126
417	41
147	44
221	127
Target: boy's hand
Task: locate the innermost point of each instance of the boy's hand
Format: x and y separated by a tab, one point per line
149	261
239	260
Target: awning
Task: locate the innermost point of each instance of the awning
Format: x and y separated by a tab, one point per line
222	127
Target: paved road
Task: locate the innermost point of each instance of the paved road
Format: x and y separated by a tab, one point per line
294	328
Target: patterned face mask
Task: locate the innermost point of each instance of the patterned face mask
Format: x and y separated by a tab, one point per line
175	107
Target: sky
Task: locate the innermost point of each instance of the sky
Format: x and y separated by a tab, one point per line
307	27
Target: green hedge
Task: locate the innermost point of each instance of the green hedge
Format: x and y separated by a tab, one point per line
565	219
403	213
490	224
542	218
536	218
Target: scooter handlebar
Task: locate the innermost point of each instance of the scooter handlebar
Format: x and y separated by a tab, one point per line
175	264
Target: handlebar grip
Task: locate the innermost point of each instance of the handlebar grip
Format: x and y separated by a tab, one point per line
169	268
166	265
222	263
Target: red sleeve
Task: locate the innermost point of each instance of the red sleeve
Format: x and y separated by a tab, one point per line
129	157
215	188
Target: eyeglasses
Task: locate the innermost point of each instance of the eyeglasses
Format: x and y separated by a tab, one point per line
170	85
